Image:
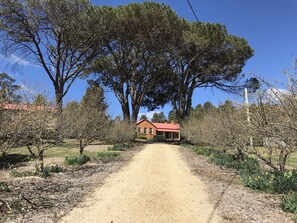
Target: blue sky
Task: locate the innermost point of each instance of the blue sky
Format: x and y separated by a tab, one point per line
270	27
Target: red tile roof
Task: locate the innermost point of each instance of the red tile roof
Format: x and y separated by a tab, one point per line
26	107
164	127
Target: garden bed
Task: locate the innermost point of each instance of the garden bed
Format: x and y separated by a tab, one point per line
37	199
232	200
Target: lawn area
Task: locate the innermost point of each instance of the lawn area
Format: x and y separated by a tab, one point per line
291	161
21	154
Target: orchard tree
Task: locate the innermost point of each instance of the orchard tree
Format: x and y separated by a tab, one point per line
135	64
87	121
61	36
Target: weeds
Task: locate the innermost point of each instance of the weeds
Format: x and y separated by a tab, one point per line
76	160
108	155
4	187
46	172
289	203
121	147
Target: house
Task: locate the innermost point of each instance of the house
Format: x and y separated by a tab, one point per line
168	131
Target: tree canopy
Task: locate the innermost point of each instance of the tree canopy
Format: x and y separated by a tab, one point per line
62	36
134	62
8	89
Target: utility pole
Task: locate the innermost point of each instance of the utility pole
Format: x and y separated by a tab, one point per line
246	98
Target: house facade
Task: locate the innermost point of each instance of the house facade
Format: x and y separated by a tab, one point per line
167	131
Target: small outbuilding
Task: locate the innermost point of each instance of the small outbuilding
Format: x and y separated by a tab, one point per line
166	131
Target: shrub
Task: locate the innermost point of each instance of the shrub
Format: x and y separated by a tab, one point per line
108	155
4	186
229	160
204	151
271	181
76	160
55	169
141	136
16	173
257	181
289	203
159	138
121	147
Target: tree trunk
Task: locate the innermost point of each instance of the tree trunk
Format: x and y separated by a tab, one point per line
59	104
59	101
40	159
30	151
282	160
135	112
126	111
81	147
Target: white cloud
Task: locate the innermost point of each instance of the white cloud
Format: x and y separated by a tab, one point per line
148	114
277	94
14	59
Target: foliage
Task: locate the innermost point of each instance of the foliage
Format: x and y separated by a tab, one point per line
204	56
108	155
134	63
289	203
159	117
248	164
55	169
272	181
40	100
76	160
159	138
172	117
8	89
4	187
60	36
141	136
143	117
45	173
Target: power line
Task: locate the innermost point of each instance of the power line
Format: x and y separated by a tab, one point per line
189	3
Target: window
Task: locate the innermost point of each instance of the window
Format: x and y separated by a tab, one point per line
144	130
139	130
151	131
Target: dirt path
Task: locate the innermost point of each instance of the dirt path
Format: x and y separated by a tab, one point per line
157	186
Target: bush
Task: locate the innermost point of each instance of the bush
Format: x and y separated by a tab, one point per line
271	181
55	169
46	172
4	186
16	173
76	160
121	147
141	136
204	151
159	138
108	155
229	160
289	203
257	181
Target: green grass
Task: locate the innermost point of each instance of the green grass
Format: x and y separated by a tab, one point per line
291	161
68	148
21	154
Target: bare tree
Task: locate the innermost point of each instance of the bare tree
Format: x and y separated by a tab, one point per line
121	132
87	121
